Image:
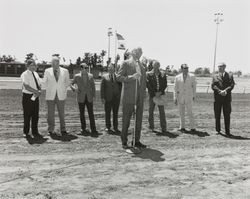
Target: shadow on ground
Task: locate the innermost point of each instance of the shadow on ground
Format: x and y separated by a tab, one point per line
167	134
151	154
198	133
235	137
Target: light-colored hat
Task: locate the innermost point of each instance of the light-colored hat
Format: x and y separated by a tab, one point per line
160	101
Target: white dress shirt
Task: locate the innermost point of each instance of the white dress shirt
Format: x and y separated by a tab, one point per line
28	78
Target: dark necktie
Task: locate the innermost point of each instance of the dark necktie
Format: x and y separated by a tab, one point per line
56	74
37	85
111	78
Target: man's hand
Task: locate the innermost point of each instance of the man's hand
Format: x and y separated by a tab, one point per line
135	76
223	93
72	88
175	101
103	101
37	93
158	94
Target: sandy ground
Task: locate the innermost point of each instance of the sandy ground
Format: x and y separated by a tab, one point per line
176	165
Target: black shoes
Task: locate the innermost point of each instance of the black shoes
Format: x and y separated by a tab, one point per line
182	130
38	136
125	146
139	145
107	130
64	133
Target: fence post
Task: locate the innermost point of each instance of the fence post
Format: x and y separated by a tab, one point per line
207	88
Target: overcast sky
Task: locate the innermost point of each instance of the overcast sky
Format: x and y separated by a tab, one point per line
172	31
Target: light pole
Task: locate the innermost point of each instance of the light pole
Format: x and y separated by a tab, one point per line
217	20
109	35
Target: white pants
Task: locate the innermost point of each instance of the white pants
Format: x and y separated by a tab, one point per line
188	106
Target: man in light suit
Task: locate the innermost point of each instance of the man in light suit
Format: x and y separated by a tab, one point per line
83	84
56	80
222	85
185	95
110	95
133	76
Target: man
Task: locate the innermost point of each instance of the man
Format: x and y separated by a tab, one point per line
222	85
185	95
133	76
83	84
156	84
56	80
110	95
31	89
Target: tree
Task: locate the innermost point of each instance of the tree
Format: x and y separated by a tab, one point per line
206	71
238	73
198	71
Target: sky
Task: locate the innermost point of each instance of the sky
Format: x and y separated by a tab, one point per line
171	31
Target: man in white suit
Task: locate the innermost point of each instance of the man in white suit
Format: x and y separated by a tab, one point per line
185	95
56	80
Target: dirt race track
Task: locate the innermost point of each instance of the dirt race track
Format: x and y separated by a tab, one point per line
176	165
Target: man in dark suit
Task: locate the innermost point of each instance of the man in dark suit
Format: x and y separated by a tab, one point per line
133	76
222	85
83	84
110	95
156	84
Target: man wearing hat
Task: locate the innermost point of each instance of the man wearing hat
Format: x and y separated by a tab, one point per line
156	84
222	85
84	86
185	95
56	80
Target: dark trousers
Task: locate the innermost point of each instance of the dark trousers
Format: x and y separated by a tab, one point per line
30	113
113	106
226	106
151	115
127	111
90	112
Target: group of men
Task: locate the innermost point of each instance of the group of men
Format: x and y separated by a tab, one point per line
128	84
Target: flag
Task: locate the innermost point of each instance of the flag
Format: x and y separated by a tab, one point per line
119	37
110	32
121	46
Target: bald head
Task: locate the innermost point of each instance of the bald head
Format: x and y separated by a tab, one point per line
136	53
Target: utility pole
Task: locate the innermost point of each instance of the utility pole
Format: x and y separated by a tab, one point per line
217	20
109	35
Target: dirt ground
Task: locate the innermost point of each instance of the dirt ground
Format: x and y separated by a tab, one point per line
176	165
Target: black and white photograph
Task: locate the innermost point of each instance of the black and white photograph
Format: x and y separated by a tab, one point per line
107	99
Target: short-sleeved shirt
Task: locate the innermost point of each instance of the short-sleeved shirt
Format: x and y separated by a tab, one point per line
28	78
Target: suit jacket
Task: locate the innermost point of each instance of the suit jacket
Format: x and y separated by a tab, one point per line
226	83
184	92
110	90
52	86
84	88
152	83
129	85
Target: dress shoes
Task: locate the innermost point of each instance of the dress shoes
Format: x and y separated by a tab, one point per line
182	129
107	130
117	130
64	133
125	146
140	145
38	136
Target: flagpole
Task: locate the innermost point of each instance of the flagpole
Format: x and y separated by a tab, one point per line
116	43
